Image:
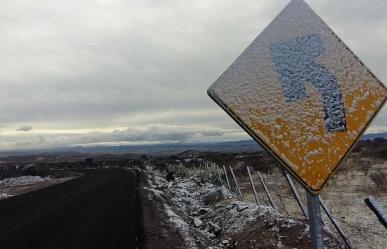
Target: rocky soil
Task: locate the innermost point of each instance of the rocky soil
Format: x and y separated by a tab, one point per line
344	195
192	212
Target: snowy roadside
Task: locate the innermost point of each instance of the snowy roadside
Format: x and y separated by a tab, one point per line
19	185
209	216
23	180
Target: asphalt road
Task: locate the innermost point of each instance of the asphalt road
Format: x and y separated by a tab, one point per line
93	211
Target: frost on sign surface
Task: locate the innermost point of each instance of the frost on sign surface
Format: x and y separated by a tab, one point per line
300	92
294	61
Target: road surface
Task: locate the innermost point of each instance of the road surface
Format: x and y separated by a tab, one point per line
93	211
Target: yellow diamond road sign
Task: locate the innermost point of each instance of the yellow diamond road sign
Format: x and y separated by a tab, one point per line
301	93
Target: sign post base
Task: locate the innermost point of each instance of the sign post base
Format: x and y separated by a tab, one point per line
315	222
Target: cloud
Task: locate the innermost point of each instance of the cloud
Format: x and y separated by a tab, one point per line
153	133
24	128
81	65
175	133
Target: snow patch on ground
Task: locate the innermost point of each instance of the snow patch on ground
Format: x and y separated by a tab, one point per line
210	216
14	186
183	227
3	196
240	213
23	180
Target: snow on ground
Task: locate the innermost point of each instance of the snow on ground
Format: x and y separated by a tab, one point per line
3	196
210	216
183	227
23	180
23	184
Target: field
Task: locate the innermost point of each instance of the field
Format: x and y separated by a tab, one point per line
180	201
344	195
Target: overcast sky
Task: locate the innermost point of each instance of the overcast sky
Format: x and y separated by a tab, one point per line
137	71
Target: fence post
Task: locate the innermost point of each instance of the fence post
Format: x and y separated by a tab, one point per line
266	190
252	185
373	204
335	224
295	193
228	182
236	184
217	171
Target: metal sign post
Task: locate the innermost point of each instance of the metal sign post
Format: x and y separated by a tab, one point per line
335	224
295	193
315	222
228	182
236	184
252	185
265	188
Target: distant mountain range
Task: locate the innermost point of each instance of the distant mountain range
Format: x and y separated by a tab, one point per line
174	148
156	149
374	135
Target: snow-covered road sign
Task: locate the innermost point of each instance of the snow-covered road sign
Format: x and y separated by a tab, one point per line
302	94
